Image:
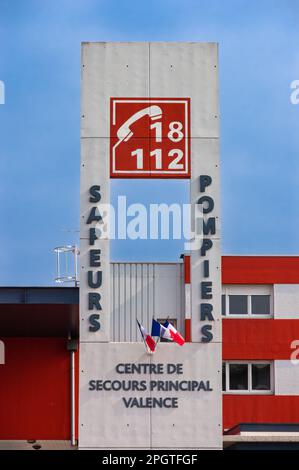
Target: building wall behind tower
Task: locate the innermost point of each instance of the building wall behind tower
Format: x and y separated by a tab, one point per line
35	389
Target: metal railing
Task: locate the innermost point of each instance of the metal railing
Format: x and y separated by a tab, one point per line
67	264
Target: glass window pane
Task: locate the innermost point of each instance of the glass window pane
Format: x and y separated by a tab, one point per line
223	304
261	377
238	305
238	376
223	377
260	304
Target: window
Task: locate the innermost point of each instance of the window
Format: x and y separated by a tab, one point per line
238	305
238	376
246	300
261	376
247	377
223	376
223	306
260	304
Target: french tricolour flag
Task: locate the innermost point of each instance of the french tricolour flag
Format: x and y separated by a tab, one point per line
148	340
176	337
160	330
167	331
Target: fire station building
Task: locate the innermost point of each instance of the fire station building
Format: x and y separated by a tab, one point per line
150	110
39	365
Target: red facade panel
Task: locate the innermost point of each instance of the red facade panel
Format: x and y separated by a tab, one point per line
258	339
259	409
35	389
187	330
260	269
187	269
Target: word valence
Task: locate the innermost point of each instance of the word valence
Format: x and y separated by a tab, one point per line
150	402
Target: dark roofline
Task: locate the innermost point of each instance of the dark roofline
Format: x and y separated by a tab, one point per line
39	295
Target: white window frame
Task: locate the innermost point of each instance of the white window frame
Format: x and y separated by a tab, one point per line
250	391
248	290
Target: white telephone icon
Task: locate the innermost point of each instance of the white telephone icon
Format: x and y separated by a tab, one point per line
124	133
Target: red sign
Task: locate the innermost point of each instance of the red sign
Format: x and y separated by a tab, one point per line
150	138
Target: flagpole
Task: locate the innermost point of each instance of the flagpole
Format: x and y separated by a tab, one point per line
142	336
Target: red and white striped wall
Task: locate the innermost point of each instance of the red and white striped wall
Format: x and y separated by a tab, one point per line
275	338
187	298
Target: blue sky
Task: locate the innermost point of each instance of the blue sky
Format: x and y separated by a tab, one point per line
39	123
